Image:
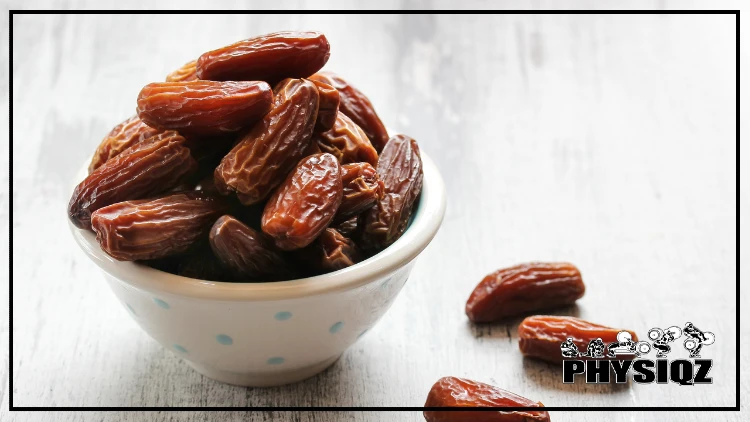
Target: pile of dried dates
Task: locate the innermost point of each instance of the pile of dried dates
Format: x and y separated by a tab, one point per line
247	165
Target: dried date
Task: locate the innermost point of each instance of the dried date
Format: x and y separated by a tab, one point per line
204	107
246	252
305	204
271	58
329	106
460	392
362	189
524	288
543	336
128	133
347	142
348	227
331	251
155	228
357	107
400	170
153	166
184	74
264	156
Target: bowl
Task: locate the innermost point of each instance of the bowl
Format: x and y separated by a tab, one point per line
274	333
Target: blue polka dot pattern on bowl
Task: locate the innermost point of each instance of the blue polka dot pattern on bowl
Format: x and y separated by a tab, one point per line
282	316
335	328
361	334
224	339
179	348
275	361
161	303
385	283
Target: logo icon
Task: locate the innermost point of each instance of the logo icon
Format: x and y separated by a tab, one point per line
595	349
569	349
696	339
626	346
662	338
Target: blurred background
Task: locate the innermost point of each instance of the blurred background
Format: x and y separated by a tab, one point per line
605	140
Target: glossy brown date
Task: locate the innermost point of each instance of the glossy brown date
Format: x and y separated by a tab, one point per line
461	392
204	107
264	156
524	288
328	103
400	170
123	136
155	228
357	107
305	204
271	58
246	252
331	251
347	142
183	74
148	168
362	189
543	336
329	106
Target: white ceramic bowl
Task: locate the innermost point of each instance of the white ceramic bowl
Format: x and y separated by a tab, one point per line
266	334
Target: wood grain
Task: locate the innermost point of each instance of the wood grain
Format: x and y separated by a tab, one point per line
604	140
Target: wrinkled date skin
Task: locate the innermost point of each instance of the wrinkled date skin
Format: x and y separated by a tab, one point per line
155	228
246	252
204	107
269	58
347	142
331	251
461	392
524	288
305	204
357	107
264	156
155	165
329	106
184	74
400	170
123	136
541	336
362	189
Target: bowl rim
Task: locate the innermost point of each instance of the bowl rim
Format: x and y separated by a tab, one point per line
425	224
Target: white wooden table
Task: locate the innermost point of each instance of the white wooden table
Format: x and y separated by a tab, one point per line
604	140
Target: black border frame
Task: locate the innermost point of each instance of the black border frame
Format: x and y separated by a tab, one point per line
12	408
